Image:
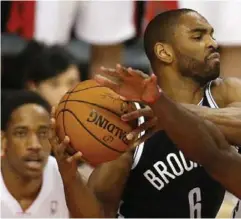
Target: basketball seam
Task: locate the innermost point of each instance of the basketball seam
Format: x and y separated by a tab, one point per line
88	88
58	115
63	116
90	132
64	111
93	104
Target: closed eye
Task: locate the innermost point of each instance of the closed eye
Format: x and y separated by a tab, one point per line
197	37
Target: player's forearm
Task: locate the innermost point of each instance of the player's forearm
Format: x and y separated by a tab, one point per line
226	169
202	142
80	200
227	119
108	182
226	165
185	129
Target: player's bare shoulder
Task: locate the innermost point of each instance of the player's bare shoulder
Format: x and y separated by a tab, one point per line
226	91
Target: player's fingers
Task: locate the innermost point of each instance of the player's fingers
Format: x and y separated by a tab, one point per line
153	81
108	71
70	150
53	110
153	78
148	80
143	138
53	124
60	149
106	82
143	127
122	98
122	71
135	72
132	100
53	139
77	157
146	112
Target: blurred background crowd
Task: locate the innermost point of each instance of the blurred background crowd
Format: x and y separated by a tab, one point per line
48	46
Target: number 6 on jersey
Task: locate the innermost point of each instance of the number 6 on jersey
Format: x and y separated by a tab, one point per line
194	197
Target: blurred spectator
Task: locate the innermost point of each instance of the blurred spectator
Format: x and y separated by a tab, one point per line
103	24
153	8
49	71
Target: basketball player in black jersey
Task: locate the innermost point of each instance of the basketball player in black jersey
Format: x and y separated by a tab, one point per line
163	182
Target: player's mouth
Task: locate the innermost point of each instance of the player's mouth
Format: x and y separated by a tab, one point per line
214	55
34	162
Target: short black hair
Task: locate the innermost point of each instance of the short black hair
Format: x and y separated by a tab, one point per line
12	99
48	62
161	29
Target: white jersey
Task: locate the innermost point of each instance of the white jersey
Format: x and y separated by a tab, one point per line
50	202
237	210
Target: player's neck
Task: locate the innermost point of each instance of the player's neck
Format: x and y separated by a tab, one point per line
20	187
180	89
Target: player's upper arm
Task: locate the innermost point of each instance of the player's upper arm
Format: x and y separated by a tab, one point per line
97	183
108	180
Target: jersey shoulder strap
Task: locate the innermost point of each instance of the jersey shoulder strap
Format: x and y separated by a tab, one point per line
208	95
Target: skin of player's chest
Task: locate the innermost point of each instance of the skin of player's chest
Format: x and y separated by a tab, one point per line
25	203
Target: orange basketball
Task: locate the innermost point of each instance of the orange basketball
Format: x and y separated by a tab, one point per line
90	115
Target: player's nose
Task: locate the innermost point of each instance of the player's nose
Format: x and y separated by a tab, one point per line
212	43
34	143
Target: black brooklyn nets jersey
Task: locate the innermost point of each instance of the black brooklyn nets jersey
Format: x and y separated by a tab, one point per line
163	183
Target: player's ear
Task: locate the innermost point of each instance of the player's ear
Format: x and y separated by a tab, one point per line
163	52
3	143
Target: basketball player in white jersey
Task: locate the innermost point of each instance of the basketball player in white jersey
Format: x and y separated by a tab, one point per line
185	60
32	183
